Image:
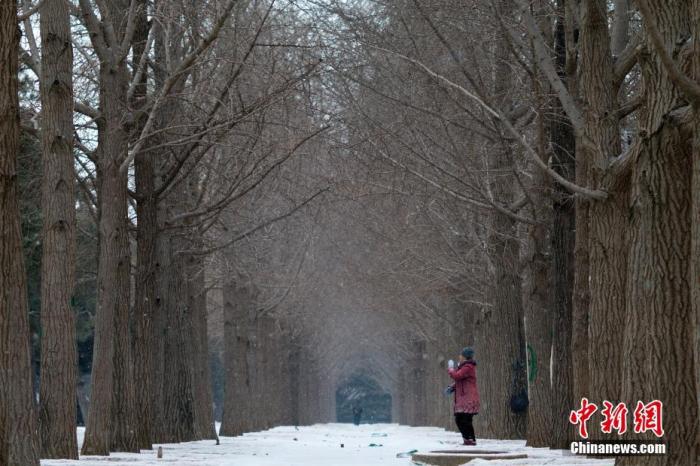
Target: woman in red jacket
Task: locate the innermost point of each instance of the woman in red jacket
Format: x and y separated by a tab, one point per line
466	394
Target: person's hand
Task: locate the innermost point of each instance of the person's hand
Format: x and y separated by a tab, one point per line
450	364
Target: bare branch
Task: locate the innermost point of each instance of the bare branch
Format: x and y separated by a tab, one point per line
29	11
570	186
93	26
140	67
259	227
626	61
129	32
85	109
173	78
33	56
448	190
545	64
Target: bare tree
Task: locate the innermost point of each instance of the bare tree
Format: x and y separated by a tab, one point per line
58	394
18	435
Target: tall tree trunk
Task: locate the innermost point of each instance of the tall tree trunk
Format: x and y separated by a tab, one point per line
237	411
253	361
660	321
146	299
294	389
563	241
158	331
538	331
197	303
537	299
146	254
197	298
111	422
418	382
178	395
59	377
581	298
695	205
503	374
660	327
607	218
155	215
18	434
180	334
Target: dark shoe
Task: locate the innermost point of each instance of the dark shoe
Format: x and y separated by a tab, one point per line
470	442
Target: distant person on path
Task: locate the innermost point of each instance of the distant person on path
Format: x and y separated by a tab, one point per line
466	393
356	415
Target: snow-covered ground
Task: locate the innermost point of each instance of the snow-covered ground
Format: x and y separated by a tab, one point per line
325	445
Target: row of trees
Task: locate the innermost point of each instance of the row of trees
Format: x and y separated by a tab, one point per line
556	141
157	118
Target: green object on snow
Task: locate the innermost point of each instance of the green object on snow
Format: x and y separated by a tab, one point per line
406	454
376	445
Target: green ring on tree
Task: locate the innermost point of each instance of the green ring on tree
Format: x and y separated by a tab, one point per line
531	364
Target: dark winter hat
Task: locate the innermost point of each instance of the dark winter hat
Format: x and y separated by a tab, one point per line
468	352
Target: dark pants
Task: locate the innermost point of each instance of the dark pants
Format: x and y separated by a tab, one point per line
464	424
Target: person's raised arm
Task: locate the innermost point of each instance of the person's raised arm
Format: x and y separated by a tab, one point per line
463	372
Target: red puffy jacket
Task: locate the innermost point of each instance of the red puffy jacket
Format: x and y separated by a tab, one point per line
466	392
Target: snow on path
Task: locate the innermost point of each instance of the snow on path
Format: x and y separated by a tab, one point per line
320	445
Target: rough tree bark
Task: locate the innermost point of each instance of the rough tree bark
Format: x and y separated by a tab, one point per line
155	214
111	422
660	322
236	414
197	298
581	298
562	141
58	388
178	395
503	374
197	303
537	296
607	218
160	321
147	258
502	348
18	434
695	204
